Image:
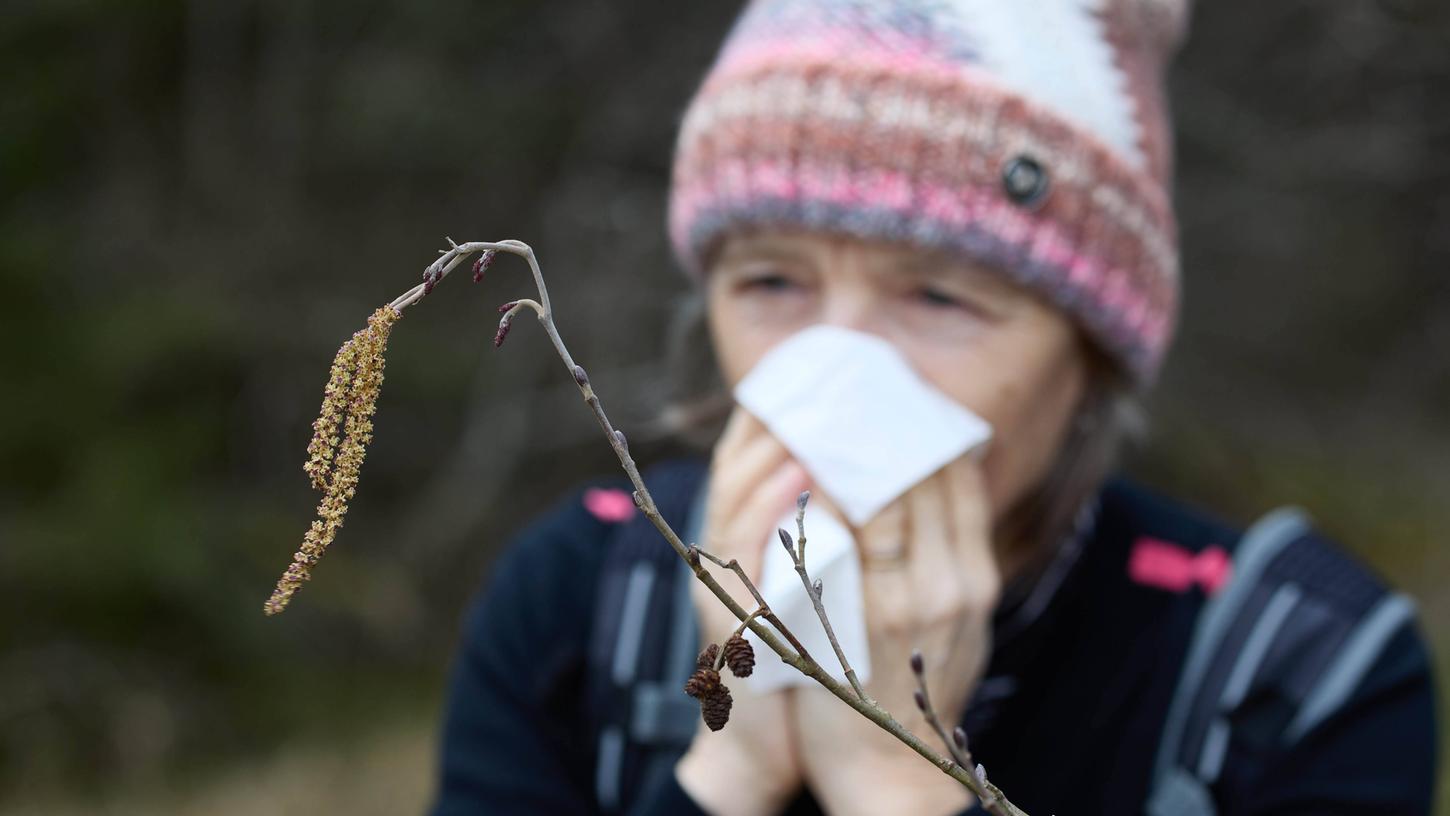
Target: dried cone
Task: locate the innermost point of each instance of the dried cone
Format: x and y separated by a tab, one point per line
706	678
703	683
715	708
739	656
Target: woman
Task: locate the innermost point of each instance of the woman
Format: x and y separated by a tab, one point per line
985	186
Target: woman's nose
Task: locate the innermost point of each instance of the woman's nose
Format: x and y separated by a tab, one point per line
851	307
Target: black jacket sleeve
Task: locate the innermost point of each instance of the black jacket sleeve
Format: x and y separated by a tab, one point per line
1374	755
514	738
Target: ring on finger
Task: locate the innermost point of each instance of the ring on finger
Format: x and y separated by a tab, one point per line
892	557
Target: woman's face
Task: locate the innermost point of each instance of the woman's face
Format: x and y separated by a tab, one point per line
988	344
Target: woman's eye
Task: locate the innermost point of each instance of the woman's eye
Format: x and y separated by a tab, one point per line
938	298
769	283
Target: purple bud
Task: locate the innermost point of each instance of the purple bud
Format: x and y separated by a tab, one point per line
505	307
580	377
619	437
917	664
800	502
959	736
920	700
981	773
503	330
480	265
785	540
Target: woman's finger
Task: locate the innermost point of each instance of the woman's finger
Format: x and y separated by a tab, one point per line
885	579
734	480
935	572
757	519
971	515
741	427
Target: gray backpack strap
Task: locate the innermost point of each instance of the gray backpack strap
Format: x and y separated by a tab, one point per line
642	650
1274	654
1178	790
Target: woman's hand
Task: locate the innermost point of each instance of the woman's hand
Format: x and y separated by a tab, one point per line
930	581
751	766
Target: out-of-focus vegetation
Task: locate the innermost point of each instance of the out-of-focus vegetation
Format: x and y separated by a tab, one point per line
204	199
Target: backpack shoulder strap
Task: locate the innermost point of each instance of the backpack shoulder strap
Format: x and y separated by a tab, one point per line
1273	654
642	645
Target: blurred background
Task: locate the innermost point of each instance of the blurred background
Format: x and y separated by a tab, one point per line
201	200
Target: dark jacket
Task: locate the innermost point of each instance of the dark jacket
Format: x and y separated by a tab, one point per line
1068	719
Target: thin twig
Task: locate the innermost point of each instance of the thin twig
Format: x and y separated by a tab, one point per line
764	610
757	613
798	658
989	795
813	591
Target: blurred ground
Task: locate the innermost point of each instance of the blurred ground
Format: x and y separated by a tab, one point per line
201	200
386	773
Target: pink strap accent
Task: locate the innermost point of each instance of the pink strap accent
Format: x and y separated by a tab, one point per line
612	506
1165	565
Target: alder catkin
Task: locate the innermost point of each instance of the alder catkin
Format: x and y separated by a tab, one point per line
350	400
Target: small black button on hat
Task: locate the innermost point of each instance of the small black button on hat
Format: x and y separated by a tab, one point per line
1026	181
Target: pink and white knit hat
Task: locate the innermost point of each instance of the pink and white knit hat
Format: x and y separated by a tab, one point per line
1032	135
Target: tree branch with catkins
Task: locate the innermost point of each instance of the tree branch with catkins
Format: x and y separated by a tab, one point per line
344	428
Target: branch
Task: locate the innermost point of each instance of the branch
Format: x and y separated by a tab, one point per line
789	650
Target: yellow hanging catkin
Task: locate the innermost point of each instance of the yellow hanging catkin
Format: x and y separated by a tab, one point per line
348	401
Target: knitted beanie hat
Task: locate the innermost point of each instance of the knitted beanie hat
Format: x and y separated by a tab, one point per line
1031	135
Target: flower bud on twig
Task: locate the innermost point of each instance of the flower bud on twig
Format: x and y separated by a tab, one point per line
819	587
959	736
920	700
800	502
503	330
918	665
785	540
480	265
619	437
580	377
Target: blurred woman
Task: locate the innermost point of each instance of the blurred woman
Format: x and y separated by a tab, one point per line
984	185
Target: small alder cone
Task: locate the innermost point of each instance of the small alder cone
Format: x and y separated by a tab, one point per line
739	656
704	685
715	709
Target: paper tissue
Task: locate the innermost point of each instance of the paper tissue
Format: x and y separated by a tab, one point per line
867	427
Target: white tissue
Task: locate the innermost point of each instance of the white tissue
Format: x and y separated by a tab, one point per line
851	410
